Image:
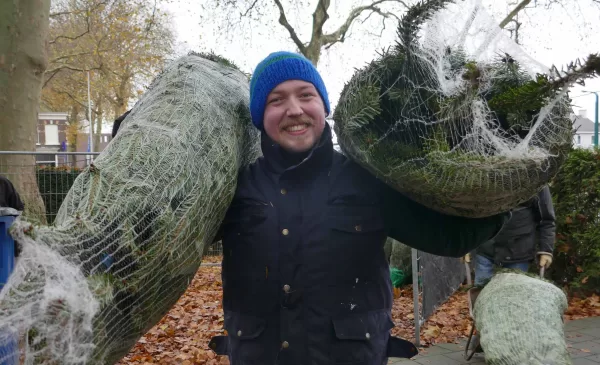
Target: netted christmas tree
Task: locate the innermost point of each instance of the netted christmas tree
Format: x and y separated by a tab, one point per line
519	321
456	115
129	236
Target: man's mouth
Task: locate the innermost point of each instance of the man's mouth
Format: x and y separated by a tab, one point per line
296	128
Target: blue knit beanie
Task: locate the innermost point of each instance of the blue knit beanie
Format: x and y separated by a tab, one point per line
279	67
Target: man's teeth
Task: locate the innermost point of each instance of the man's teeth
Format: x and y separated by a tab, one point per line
296	128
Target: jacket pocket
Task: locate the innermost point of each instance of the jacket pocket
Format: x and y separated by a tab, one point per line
361	338
362	225
359	221
246	345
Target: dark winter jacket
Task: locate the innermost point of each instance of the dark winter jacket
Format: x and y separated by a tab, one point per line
9	198
531	222
305	278
117	123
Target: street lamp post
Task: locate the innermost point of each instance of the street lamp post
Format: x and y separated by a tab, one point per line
595	118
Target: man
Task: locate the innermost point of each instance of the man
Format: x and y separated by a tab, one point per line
305	277
529	234
9	197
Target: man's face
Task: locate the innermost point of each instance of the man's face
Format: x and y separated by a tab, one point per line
294	115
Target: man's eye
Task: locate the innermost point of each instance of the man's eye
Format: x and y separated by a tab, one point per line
274	100
307	95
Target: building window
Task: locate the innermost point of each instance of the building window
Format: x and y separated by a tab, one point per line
51	134
578	139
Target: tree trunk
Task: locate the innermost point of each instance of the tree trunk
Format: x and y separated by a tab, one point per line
73	132
123	96
98	127
22	65
313	53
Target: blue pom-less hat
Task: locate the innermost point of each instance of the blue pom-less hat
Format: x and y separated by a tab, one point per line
276	68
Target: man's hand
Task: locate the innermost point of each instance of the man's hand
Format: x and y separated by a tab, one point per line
545	259
467	258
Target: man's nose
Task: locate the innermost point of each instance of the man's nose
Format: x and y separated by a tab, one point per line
294	108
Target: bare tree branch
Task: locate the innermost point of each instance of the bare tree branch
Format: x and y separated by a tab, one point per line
320	16
340	34
249	9
514	13
72	68
283	21
75	99
50	78
87	20
75	55
54	15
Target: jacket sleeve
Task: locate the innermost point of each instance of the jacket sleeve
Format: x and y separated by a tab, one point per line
13	200
547	221
430	231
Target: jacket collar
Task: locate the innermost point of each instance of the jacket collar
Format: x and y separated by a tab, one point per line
280	161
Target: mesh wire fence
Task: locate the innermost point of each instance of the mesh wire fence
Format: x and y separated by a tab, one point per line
441	277
54	176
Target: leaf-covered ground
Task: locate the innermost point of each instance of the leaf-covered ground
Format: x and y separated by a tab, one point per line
182	336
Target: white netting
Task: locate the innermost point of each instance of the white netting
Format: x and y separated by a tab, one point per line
130	235
456	115
519	321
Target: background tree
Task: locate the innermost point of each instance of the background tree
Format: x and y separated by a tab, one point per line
22	64
122	43
238	11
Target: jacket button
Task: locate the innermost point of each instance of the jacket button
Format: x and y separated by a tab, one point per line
285	344
358	228
367	335
286	288
283	191
285	232
239	333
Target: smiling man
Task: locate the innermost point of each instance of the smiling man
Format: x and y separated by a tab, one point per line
305	278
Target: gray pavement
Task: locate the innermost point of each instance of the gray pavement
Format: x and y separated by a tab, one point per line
583	340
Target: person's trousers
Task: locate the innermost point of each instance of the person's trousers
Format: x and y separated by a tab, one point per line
484	268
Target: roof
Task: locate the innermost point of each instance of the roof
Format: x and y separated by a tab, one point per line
582	124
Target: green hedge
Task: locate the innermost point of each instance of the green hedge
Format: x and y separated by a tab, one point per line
576	196
54	184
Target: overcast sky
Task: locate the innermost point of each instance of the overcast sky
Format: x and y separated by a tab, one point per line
551	36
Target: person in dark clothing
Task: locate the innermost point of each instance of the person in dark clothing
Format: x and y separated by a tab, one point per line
9	197
528	235
305	277
117	123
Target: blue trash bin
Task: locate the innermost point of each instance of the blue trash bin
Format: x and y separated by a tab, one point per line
9	354
7	249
